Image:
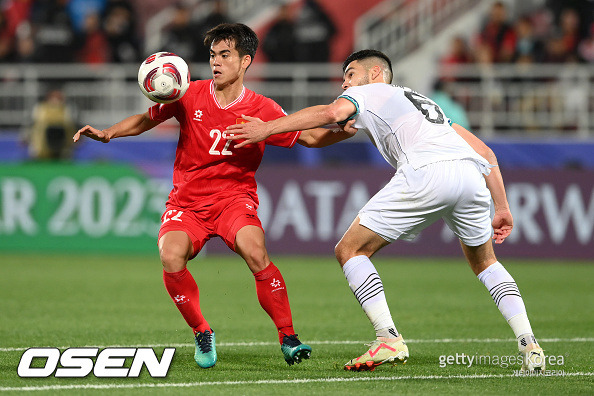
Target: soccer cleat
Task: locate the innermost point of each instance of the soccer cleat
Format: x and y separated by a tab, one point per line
380	351
206	352
533	359
293	350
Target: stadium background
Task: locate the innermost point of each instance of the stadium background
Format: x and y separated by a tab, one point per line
528	95
530	100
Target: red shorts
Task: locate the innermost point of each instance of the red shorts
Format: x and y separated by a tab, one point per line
218	217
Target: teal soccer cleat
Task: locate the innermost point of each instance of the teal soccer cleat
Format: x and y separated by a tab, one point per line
293	350
206	352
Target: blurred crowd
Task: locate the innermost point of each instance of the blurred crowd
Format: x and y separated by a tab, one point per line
298	33
559	32
103	31
62	31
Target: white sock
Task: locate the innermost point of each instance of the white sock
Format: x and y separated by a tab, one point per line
506	296
367	287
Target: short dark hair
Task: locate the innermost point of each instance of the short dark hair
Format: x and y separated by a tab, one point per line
245	39
366	54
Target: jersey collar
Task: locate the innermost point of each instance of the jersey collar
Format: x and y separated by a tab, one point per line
214	97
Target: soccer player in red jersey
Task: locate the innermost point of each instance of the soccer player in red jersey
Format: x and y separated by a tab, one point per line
214	189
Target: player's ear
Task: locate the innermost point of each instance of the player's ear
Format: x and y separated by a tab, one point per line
376	73
247	61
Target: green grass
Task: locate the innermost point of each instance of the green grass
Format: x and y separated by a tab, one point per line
78	300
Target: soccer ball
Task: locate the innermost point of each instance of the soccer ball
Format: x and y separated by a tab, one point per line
164	77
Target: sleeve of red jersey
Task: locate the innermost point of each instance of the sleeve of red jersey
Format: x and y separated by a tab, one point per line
163	112
272	112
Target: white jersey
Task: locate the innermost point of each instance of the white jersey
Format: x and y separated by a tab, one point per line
407	127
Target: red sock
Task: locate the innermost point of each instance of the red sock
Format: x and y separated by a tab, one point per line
183	289
273	297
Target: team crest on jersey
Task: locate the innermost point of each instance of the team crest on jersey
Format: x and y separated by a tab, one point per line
198	115
240	121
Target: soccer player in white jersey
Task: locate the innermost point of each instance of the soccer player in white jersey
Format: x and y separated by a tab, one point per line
442	171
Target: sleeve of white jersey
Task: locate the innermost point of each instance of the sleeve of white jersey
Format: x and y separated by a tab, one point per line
355	97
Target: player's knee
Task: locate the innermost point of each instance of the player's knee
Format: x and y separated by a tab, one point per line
256	259
172	259
342	253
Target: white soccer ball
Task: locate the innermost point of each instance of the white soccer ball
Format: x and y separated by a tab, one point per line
164	77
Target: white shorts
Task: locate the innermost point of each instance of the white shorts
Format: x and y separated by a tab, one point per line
414	199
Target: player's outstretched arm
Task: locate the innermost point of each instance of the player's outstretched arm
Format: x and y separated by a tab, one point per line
131	126
502	220
322	137
308	118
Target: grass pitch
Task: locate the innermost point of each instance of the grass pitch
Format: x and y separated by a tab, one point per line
438	305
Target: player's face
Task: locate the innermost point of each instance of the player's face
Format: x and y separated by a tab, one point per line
354	75
226	64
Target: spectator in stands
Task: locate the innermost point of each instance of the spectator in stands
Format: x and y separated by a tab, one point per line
16	12
94	47
119	24
584	8
563	41
542	22
52	129
215	18
80	9
15	31
315	30
528	48
444	99
280	34
586	47
497	36
180	35
53	33
24	44
569	32
555	50
459	54
6	39
127	4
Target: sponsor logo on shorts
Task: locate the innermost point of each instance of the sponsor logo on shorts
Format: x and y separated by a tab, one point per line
172	214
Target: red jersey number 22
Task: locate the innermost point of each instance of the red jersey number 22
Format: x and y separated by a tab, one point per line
171	215
217	135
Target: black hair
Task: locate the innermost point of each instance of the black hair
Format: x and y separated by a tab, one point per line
245	39
366	54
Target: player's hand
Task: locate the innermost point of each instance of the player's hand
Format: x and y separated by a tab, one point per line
348	127
92	133
502	223
252	131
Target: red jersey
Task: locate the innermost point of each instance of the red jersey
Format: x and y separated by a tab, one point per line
206	163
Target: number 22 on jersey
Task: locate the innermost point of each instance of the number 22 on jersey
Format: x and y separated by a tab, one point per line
217	135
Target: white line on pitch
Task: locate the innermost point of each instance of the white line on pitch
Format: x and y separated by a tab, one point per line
329	342
268	382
